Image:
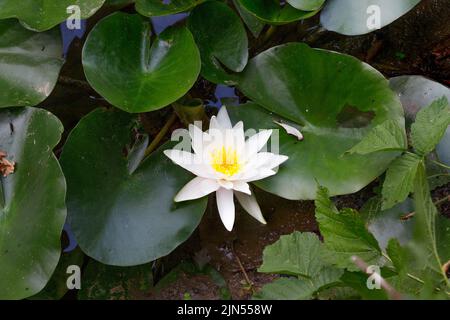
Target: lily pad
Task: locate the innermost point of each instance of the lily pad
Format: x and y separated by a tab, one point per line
152	8
29	64
32	209
222	40
335	100
417	92
132	73
121	207
352	17
306	5
45	14
274	12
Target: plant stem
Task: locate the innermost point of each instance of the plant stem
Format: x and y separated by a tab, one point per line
441	164
247	279
161	134
268	34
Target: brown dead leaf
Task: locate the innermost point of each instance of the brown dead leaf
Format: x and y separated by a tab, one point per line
6	166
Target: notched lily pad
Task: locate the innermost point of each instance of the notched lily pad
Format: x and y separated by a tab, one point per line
275	12
222	40
45	14
122	217
134	73
312	89
32	208
29	64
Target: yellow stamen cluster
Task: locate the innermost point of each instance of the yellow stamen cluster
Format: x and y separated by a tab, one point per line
225	161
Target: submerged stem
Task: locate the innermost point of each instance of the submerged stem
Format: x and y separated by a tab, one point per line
161	134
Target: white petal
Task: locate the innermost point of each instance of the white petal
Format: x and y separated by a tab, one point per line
196	188
266	160
249	203
225	204
200	139
257	174
239	137
291	130
191	162
223	119
241	186
225	184
256	142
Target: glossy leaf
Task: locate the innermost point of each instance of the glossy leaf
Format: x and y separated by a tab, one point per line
132	73
123	214
294	254
306	5
56	288
335	100
45	14
345	234
273	12
32	208
151	8
351	17
222	40
29	64
253	24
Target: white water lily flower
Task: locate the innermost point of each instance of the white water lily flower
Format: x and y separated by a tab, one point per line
225	163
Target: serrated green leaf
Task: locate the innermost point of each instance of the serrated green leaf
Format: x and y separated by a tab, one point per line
387	136
294	254
345	234
427	232
430	126
299	289
399	179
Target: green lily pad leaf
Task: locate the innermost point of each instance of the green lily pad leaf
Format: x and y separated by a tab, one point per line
120	214
32	209
273	12
253	24
351	17
132	73
417	92
29	64
152	8
221	38
45	14
56	288
294	254
306	5
102	282
335	100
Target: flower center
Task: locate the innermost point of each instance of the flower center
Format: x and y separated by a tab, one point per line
225	161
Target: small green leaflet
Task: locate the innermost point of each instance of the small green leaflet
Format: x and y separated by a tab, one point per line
430	126
294	254
345	234
387	136
399	179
